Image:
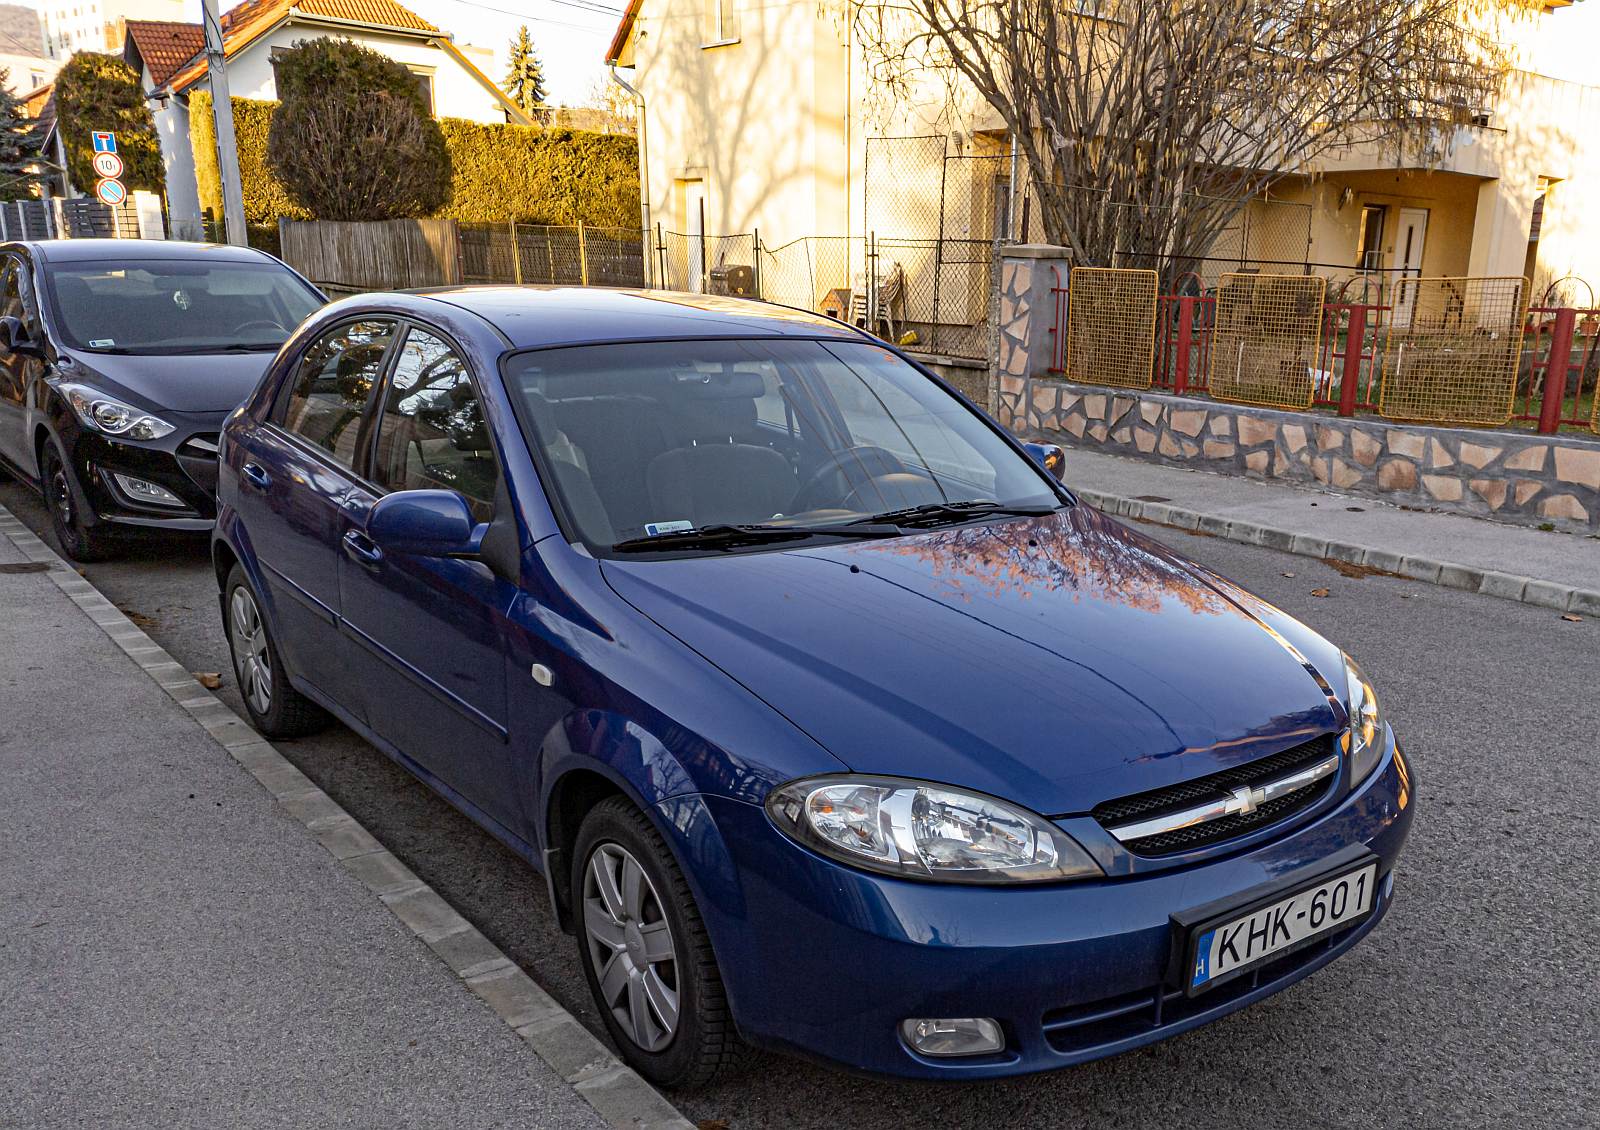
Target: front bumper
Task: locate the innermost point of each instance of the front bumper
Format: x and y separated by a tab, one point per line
826	961
180	462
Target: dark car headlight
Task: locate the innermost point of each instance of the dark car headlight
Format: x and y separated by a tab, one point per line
106	414
919	830
1363	740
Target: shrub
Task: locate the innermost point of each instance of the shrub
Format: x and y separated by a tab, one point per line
499	173
352	138
264	196
506	173
101	92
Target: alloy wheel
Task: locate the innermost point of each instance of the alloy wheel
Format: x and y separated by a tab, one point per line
250	656
631	947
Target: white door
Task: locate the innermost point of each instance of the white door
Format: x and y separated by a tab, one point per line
1406	260
694	223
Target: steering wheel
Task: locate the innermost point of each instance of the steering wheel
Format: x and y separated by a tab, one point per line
264	323
842	472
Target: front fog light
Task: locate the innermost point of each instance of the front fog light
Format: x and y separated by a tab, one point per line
976	1035
143	490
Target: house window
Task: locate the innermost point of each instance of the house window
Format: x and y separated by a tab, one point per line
425	85
721	23
1369	252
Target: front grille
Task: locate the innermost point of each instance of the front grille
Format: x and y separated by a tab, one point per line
201	445
1216	786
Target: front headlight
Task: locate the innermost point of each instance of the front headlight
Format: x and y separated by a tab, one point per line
103	414
1363	741
925	831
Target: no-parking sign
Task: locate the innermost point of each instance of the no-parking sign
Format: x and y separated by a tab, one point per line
111	191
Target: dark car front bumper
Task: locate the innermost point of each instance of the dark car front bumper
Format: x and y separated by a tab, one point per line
184	463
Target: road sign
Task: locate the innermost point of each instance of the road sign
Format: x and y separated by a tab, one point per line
108	165
105	141
111	191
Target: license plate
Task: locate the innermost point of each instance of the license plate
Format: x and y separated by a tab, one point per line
1219	950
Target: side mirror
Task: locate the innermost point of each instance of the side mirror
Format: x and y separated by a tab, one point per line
424	523
15	339
1049	456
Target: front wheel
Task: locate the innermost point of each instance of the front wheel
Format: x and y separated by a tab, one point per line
646	954
276	709
80	541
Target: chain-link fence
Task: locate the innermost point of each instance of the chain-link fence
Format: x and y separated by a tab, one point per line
707	264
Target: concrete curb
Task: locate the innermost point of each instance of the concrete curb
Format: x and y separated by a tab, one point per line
1508	586
618	1094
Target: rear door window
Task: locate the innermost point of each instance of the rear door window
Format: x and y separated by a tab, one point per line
333	385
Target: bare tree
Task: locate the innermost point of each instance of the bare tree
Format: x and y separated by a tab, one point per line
1149	125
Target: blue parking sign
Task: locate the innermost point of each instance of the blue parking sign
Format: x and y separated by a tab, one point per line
105	141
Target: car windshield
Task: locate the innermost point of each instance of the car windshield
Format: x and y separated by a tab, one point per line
178	306
715	444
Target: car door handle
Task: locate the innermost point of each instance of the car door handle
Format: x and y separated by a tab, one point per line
256	475
362	548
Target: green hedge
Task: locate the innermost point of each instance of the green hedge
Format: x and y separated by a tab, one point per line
101	92
264	198
504	173
500	173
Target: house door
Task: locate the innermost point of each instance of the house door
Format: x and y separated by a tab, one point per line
694	216
1406	260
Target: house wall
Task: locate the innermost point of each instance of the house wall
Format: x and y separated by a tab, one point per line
456	93
183	198
762	122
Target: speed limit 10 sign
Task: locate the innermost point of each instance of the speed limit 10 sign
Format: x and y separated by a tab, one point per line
108	166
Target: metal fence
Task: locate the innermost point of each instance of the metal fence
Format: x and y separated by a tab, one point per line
1469	347
138	217
576	255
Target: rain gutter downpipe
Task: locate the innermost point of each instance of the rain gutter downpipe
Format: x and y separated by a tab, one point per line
644	167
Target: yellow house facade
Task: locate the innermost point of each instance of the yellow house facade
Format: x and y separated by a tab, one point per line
764	116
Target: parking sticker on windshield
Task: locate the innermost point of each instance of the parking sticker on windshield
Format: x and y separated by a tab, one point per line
655	529
102	343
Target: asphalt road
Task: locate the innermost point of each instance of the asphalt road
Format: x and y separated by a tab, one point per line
1472	1005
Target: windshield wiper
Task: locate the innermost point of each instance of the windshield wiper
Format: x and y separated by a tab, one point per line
725	536
940	513
231	347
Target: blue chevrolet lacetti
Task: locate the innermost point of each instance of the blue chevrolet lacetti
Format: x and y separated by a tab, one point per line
834	722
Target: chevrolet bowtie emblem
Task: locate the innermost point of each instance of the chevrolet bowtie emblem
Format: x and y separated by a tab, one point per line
1245	800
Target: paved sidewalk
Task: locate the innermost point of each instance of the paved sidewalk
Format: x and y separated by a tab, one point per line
177	950
1554	569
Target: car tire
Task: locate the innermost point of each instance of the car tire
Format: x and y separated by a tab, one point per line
78	540
702	1043
276	709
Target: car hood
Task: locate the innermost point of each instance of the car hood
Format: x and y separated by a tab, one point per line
1056	662
191	383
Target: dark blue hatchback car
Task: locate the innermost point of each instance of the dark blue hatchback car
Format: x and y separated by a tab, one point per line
833	721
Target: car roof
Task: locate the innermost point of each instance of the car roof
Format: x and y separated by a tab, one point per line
530	316
132	250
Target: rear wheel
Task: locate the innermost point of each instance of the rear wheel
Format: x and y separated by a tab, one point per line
646	953
276	709
79	540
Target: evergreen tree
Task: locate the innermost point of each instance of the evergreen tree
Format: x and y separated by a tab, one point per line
18	149
524	83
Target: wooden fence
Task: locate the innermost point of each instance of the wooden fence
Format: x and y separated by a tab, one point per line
373	255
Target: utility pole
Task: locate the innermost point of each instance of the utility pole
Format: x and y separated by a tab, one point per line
227	146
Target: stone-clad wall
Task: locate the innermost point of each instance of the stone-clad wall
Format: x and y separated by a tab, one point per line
1513	476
